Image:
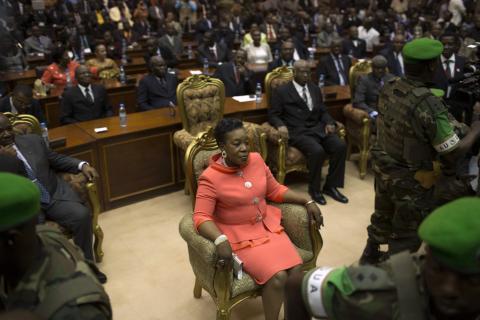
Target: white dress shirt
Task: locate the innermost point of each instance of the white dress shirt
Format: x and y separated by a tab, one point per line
299	89
82	88
452	70
371	37
14	110
400	60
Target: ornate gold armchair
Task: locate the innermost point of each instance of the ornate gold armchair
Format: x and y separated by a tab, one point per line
225	290
283	158
201	101
357	121
88	192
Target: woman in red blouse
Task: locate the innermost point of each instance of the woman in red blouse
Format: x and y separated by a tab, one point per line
231	210
63	63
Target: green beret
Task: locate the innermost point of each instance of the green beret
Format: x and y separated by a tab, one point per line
422	49
452	232
19	200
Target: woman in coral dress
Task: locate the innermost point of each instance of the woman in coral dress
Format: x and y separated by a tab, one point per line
231	210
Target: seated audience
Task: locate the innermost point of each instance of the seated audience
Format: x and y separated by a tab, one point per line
158	88
37	263
21	101
172	40
154	48
212	51
225	214
114	46
206	23
257	52
286	56
247	38
141	28
171	19
58	201
236	76
37	43
368	33
62	68
101	66
187	16
335	66
448	268
300	49
368	86
85	101
326	36
84	41
297	111
11	56
353	46
394	56
270	28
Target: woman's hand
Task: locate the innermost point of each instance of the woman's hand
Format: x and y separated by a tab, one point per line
314	211
224	253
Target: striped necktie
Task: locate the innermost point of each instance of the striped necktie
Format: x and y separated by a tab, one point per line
45	197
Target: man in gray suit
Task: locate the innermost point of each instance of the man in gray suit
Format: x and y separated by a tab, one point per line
38	43
59	202
368	86
172	40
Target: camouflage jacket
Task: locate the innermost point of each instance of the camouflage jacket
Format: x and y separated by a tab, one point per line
365	292
414	127
59	285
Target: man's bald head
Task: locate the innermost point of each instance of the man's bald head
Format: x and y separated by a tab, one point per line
301	72
6	131
158	66
83	75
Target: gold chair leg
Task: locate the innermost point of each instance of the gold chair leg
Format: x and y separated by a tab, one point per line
223	315
197	289
281	177
186	191
97	244
363	162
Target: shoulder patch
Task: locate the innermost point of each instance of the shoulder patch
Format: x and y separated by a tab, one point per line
369	278
421	91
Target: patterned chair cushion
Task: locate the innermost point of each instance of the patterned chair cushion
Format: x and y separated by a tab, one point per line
202	107
294	157
277	82
22	128
253	133
200	163
182	139
78	182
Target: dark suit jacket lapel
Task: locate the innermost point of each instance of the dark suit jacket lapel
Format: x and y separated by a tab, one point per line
27	153
294	93
313	95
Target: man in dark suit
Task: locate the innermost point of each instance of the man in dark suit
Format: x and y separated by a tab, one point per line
300	50
270	28
158	88
286	56
205	24
335	66
171	40
59	202
21	101
298	112
236	77
213	52
394	56
369	85
354	46
85	101
155	49
449	70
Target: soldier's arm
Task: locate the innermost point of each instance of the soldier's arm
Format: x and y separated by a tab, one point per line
434	118
355	292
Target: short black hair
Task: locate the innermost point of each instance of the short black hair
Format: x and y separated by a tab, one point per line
57	53
225	126
23	89
447	34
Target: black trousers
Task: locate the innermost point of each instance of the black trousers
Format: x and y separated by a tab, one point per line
77	219
317	150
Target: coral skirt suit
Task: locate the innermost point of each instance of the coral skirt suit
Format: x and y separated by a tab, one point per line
235	200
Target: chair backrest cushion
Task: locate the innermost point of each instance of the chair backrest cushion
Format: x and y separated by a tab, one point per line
358	69
276	78
201	101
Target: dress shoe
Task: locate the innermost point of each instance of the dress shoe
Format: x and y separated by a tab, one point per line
318	197
101	277
335	194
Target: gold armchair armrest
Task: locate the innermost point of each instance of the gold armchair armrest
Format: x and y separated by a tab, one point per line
356	115
97	230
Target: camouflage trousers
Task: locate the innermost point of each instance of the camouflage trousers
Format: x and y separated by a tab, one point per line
401	204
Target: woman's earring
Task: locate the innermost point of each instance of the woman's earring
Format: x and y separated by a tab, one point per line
224	154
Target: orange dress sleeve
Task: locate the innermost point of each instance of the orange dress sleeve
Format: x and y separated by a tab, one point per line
47	75
205	201
275	190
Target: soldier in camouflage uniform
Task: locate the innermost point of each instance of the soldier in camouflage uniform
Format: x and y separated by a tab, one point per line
443	283
40	270
414	130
